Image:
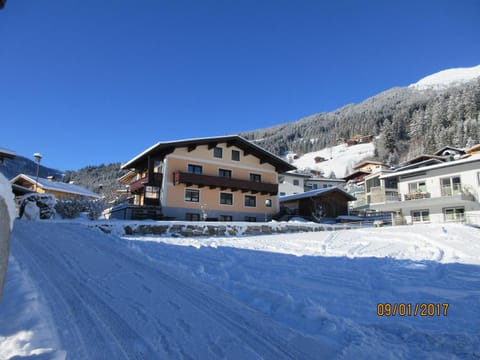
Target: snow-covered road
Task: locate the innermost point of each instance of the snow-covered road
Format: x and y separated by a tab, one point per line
109	302
74	291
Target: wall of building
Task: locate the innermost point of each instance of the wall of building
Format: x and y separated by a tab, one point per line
469	174
287	187
173	196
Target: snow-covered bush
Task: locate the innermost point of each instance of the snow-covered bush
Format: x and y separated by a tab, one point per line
72	208
44	202
69	208
94	209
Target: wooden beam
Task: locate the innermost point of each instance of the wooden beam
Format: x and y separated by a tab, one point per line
191	148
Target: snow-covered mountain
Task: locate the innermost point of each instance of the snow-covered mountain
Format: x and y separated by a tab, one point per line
447	78
339	159
415	121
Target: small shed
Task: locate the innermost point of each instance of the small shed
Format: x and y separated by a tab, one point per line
322	203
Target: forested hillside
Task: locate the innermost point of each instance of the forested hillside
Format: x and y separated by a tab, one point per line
102	179
410	122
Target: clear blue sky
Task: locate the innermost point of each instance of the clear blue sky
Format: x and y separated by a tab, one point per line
90	82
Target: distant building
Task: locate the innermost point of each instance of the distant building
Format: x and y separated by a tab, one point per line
360	139
26	183
292	183
442	192
318	205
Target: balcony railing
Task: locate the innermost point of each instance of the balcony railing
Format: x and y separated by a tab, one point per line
224	183
417	196
140	183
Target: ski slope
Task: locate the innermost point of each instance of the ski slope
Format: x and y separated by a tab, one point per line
74	292
340	159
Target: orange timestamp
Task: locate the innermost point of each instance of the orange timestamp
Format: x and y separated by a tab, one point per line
409	309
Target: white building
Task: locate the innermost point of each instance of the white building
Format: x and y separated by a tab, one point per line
291	183
437	193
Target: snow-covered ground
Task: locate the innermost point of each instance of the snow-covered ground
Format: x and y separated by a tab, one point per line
340	158
73	291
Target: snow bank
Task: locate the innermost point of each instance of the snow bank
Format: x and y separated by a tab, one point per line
7	194
448	243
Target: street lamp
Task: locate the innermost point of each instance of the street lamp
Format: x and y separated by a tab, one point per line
37	157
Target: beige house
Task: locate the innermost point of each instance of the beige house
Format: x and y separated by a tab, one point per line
223	178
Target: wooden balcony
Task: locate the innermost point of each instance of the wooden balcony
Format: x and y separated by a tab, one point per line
224	183
140	183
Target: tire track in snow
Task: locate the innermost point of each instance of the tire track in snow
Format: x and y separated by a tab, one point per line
262	340
87	300
108	333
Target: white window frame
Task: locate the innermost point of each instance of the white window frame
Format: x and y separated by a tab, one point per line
457	215
245	201
422	218
191	190
220	198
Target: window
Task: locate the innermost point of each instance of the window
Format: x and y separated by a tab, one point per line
192	195
250	219
218	152
417	187
391	183
250	201
192	217
152	192
256	177
157	166
235	155
373	183
226	218
225	173
226	198
283	193
268	202
420	216
454	214
451	186
195	169
296	182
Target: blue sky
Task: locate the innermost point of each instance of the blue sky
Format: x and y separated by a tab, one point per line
87	82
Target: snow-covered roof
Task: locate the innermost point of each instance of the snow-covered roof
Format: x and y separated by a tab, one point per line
314	193
163	148
430	167
7	153
367	162
47	184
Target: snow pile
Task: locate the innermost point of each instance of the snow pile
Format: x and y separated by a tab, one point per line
451	243
340	159
77	292
7	194
447	78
